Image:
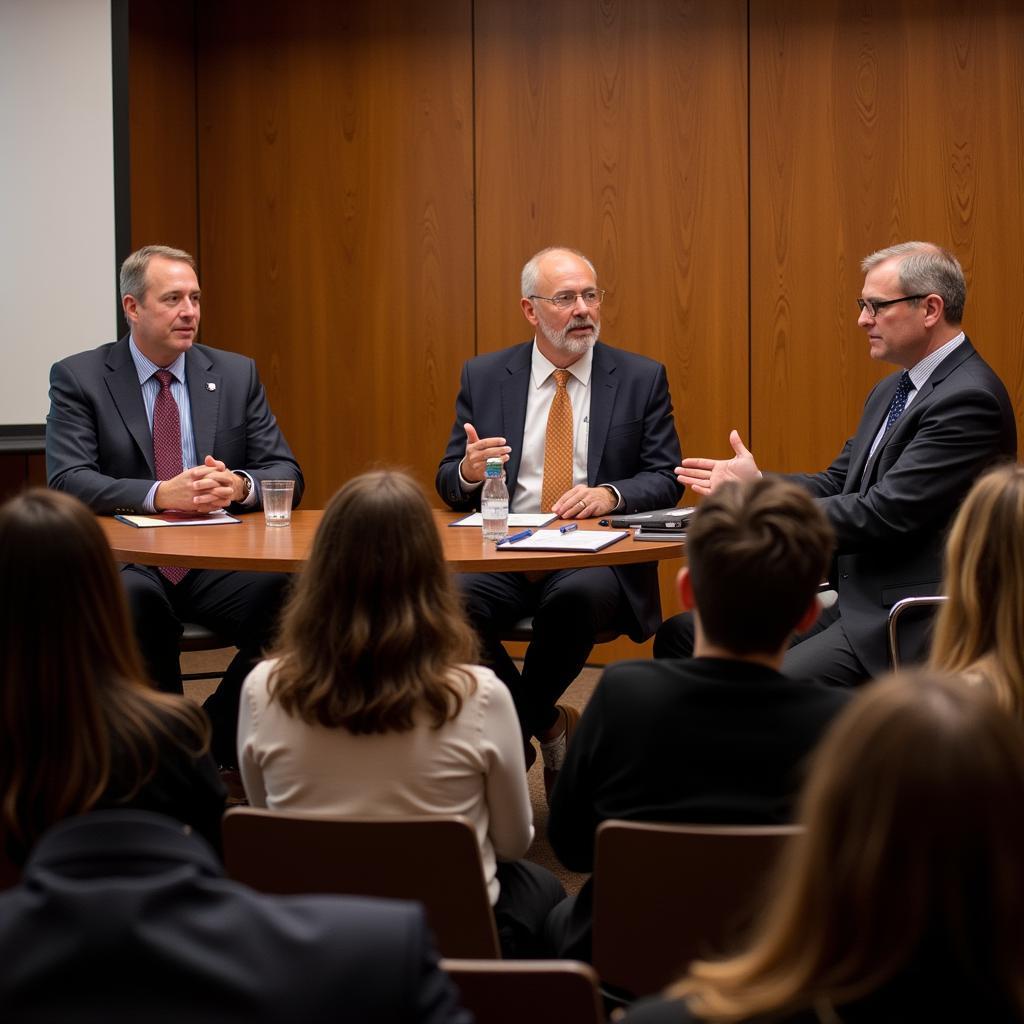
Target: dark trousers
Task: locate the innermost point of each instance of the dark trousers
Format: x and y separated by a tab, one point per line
568	931
528	894
570	608
242	607
823	653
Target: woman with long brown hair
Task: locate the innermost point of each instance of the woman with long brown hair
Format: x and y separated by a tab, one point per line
372	703
80	729
903	898
980	627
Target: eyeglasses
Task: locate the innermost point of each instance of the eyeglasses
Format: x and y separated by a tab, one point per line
566	300
874	306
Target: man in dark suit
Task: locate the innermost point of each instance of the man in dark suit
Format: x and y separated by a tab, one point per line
720	737
924	437
619	458
126	916
153	423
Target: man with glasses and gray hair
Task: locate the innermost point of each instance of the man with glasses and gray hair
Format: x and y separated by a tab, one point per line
583	430
925	435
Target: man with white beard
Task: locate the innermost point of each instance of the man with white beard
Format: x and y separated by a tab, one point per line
584	430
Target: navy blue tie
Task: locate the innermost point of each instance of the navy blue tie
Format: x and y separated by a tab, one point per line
899	400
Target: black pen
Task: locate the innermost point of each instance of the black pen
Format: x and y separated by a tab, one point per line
522	535
603	522
569	528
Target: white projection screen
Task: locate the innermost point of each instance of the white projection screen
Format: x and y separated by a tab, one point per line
58	290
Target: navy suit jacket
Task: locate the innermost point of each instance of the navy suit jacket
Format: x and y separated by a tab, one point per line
124	916
633	442
891	512
99	444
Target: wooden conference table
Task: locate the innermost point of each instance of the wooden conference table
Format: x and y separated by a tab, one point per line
252	545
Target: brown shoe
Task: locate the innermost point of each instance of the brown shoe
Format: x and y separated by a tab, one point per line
570	716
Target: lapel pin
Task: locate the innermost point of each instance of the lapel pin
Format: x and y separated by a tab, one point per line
210	386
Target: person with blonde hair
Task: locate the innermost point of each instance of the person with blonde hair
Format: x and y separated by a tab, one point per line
372	704
902	898
978	631
80	729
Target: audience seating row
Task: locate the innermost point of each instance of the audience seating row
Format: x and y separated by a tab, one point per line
695	893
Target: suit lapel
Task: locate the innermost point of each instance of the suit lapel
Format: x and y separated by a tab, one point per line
603	387
863	470
871	422
123	384
514	389
204	390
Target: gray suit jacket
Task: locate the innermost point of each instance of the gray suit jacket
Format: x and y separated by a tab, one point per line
99	445
633	442
891	512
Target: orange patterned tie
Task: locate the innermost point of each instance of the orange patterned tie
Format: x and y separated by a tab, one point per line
557	445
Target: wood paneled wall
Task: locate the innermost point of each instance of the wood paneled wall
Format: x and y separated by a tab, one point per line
162	124
367	181
873	124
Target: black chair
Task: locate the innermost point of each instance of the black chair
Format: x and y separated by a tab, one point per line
198	638
915	612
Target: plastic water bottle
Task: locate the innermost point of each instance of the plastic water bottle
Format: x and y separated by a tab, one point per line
494	501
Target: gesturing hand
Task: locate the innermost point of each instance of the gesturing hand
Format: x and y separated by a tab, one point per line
705	475
478	451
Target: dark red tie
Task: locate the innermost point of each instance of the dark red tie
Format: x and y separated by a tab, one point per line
167	449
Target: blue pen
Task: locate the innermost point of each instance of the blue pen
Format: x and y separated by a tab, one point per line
522	535
569	528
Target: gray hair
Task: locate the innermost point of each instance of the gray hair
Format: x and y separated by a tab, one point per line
926	269
133	270
528	279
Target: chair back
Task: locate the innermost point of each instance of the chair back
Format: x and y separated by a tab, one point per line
534	991
434	860
665	894
910	619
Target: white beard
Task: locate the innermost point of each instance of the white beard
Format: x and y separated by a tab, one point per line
573	345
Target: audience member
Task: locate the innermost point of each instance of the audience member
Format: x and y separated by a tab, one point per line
124	916
371	704
923	438
79	726
980	629
584	430
902	899
720	737
154	422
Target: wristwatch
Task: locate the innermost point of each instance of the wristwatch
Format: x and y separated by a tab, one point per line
246	486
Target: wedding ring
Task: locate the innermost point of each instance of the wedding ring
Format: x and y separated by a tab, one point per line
583	504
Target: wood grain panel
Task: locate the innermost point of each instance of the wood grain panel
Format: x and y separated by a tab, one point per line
336	195
620	128
162	123
870	124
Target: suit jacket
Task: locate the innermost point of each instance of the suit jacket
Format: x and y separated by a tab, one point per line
633	442
707	740
891	512
124	916
99	444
